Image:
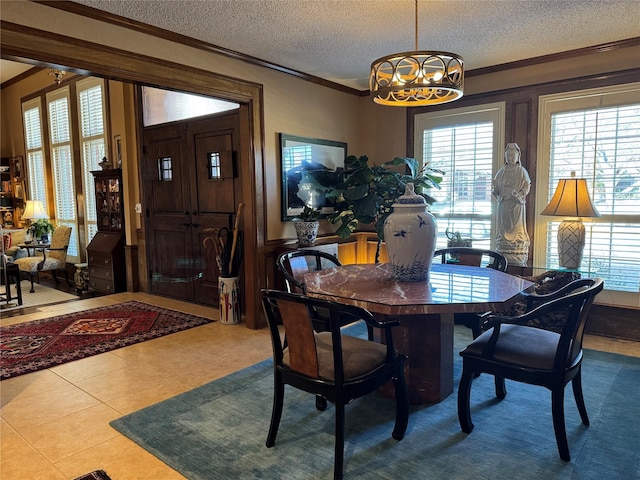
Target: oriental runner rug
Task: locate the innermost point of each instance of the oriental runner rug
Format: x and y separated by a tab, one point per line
30	346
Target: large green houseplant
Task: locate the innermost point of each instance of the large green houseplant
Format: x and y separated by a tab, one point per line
367	192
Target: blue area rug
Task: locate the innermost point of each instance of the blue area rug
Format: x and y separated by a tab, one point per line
218	431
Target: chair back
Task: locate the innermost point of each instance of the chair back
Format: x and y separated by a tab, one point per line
59	244
476	257
572	302
296	263
579	303
298	350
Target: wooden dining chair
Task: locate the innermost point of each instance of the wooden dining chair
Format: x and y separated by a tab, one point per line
511	349
336	366
476	257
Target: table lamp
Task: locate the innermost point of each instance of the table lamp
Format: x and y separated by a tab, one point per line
34	210
571	199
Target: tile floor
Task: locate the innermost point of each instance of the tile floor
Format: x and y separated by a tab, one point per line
55	423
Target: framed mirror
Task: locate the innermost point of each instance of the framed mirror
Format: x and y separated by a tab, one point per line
310	166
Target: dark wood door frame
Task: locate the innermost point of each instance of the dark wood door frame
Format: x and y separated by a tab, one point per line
42	48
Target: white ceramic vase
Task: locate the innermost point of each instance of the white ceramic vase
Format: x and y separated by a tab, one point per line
229	300
410	235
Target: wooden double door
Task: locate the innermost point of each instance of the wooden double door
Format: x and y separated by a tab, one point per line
191	187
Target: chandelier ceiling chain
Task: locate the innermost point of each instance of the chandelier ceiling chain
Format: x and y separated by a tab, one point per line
417	78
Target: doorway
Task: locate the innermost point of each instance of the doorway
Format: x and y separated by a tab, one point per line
43	48
191	189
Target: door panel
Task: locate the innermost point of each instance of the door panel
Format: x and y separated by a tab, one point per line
215	190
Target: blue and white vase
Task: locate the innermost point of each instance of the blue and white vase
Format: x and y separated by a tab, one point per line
410	235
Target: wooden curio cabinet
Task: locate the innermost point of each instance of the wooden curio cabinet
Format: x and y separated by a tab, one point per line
105	252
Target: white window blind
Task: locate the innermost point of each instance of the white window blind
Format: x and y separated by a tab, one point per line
464	143
91	113
596	134
32	118
62	163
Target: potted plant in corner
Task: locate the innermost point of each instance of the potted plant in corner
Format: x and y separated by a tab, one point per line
41	229
367	192
306	225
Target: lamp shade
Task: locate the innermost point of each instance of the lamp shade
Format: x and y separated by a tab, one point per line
571	199
34	210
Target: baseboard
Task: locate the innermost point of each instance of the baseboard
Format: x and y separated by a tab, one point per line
610	321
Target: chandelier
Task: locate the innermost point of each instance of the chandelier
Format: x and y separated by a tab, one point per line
57	74
417	78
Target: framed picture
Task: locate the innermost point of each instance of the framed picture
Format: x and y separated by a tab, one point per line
310	167
19	190
17	167
117	148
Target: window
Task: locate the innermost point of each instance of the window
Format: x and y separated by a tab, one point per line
93	142
50	120
32	117
595	133
466	144
62	165
164	106
213	165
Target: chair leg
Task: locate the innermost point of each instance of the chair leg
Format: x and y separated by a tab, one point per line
501	389
576	384
557	410
31	277
464	407
276	412
402	405
338	467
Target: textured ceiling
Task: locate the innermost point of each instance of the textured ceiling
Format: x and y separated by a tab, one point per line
338	39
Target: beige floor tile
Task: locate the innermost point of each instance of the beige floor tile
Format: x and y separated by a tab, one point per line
89	367
20	461
36	383
30	411
121	458
69	435
163	390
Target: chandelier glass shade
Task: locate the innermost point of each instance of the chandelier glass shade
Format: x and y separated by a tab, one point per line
417	78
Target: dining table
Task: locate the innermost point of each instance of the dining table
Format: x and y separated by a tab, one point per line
425	312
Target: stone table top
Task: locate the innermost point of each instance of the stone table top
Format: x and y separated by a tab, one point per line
450	289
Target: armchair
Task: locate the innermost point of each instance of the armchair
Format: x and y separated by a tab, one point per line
52	258
509	348
337	367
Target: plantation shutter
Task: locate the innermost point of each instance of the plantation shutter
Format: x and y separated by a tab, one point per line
91	110
464	144
32	118
62	163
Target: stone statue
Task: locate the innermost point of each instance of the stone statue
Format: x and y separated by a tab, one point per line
511	186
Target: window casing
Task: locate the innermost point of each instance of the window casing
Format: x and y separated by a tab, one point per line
465	143
595	133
